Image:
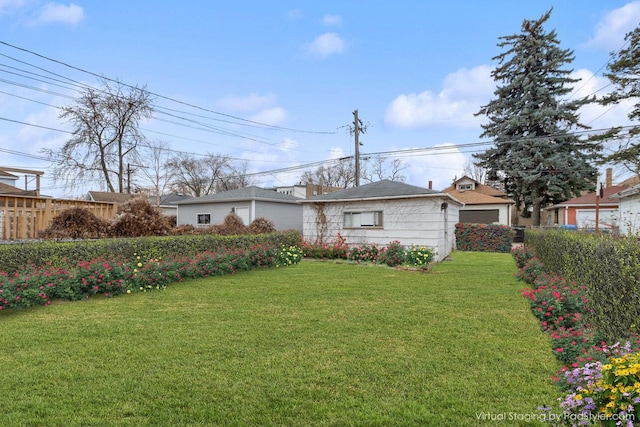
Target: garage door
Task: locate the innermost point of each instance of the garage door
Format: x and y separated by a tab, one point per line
480	216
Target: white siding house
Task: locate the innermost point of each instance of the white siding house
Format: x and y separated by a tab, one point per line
629	210
383	212
248	203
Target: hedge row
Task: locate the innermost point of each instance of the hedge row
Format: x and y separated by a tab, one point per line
609	266
114	276
17	256
483	237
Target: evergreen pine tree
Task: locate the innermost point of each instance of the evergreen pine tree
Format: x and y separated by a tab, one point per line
537	153
624	74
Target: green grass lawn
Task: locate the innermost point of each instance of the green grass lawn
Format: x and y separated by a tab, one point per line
316	344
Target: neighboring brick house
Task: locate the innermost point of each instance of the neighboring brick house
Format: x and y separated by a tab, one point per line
482	204
580	212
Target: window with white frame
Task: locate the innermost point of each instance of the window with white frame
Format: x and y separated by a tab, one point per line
362	219
463	187
204	219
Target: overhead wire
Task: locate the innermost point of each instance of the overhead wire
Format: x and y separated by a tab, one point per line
239	119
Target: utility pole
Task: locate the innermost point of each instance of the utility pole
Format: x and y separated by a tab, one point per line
357	128
599	195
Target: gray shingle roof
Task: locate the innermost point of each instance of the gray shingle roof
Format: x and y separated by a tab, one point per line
246	193
173	198
374	190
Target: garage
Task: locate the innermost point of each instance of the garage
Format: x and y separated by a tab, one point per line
489	216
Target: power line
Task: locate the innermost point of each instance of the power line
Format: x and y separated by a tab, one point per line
253	122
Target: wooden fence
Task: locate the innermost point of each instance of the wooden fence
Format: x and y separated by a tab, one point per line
23	217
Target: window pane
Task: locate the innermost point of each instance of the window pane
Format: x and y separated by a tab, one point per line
366	219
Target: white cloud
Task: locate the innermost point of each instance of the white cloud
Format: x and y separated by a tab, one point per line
262	107
7	4
56	12
271	116
249	102
463	93
288	144
331	20
611	29
326	44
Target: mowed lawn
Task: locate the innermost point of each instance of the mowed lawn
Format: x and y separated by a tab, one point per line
317	344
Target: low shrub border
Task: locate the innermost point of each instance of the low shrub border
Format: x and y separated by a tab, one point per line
600	381
394	254
19	256
110	277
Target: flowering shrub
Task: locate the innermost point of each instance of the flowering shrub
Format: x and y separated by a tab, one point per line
363	253
557	304
521	255
288	256
38	285
418	256
531	271
483	237
392	254
571	345
334	250
609	392
601	381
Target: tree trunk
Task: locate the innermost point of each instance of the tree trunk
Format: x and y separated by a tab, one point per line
535	214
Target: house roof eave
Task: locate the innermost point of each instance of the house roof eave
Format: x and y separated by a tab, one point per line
376	198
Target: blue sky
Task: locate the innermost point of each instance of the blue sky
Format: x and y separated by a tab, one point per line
416	71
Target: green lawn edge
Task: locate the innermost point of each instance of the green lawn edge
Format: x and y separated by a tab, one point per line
320	343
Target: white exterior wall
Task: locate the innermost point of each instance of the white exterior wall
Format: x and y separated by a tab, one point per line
285	216
630	215
607	218
415	221
504	211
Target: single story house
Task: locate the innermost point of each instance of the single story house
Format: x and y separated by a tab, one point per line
629	208
167	203
580	212
382	212
482	204
248	203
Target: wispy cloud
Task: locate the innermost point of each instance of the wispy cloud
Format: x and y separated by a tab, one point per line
331	20
463	93
51	13
611	29
9	4
326	45
271	116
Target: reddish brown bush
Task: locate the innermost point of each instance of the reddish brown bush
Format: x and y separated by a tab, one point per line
137	218
75	223
261	225
232	224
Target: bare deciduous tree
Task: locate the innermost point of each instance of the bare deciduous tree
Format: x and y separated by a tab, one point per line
208	175
377	169
342	174
105	133
474	171
156	156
